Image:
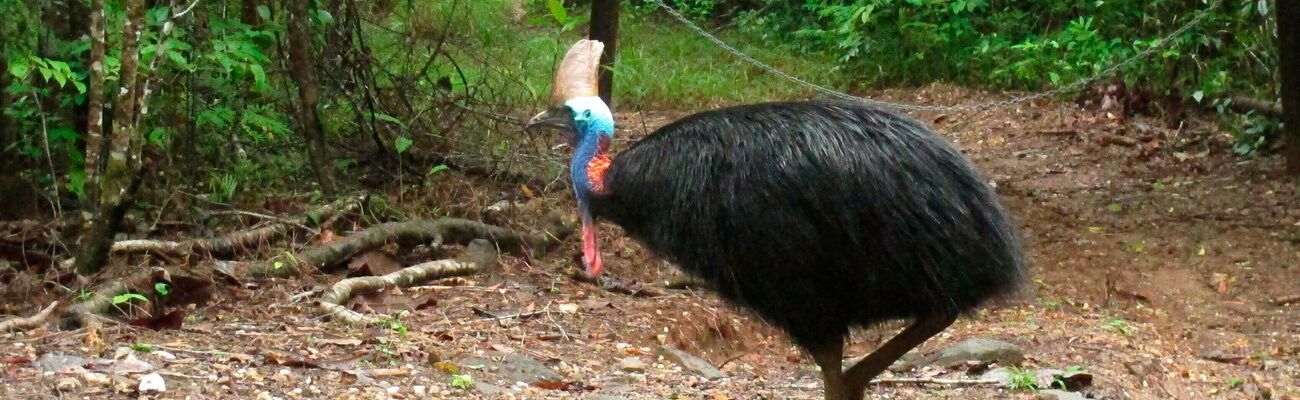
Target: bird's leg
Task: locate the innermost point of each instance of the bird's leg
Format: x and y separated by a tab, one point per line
830	357
857	377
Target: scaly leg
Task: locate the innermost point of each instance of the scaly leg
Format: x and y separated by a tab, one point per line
830	358
856	378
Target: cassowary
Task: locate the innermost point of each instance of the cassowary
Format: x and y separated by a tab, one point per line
817	215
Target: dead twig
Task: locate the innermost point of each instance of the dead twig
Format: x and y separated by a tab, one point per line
1284	300
934	381
25	323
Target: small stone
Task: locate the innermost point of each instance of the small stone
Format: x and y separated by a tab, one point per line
166	355
67	384
96	379
1002	374
487	389
690	362
152	383
905	363
984	351
1053	394
419	390
61	363
632	364
392	389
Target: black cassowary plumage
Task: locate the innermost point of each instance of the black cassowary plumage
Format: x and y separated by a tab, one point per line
818	216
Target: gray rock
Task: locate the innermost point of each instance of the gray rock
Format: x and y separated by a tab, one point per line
488	388
512	367
1002	375
152	383
1053	394
690	362
632	364
983	351
906	363
602	397
61	363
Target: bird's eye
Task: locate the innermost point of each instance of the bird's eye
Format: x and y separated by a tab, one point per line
586	114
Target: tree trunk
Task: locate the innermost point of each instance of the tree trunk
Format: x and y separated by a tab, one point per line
5	130
604	27
300	59
1288	43
120	176
248	14
94	114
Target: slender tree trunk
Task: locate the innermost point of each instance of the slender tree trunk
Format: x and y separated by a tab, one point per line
5	130
248	14
120	176
1288	43
94	114
604	27
300	60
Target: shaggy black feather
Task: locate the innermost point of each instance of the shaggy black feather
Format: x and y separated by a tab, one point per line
817	215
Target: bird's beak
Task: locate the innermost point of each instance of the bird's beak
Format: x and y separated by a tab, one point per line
545	119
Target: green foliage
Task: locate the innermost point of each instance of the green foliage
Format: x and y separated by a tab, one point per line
462	382
125	298
142	347
223	187
1118	325
1022	380
162	288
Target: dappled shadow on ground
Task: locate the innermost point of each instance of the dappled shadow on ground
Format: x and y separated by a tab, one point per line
1158	257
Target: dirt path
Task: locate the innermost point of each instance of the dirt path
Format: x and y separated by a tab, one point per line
1156	266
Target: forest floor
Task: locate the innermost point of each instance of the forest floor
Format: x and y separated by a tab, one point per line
1163	265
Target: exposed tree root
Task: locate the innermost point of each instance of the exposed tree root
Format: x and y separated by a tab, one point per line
483	257
235	241
101	299
407	233
25	323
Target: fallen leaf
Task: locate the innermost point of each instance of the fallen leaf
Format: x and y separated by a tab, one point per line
446	366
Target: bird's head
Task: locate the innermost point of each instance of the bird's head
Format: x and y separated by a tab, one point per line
577	110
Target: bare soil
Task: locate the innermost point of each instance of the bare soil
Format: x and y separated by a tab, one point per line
1158	260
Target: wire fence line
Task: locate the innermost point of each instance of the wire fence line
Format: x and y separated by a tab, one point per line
1079	84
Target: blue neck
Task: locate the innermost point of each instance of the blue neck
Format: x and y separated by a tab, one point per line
594	130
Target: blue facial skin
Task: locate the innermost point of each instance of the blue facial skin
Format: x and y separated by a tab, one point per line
594	129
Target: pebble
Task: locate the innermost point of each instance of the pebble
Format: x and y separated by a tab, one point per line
632	364
96	379
1053	394
67	384
152	383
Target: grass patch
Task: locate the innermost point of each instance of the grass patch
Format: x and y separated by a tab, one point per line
661	64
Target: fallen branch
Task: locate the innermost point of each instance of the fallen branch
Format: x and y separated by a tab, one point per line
233	242
25	323
331	303
1245	104
408	233
934	381
1284	300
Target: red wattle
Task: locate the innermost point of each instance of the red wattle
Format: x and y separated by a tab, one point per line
590	251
